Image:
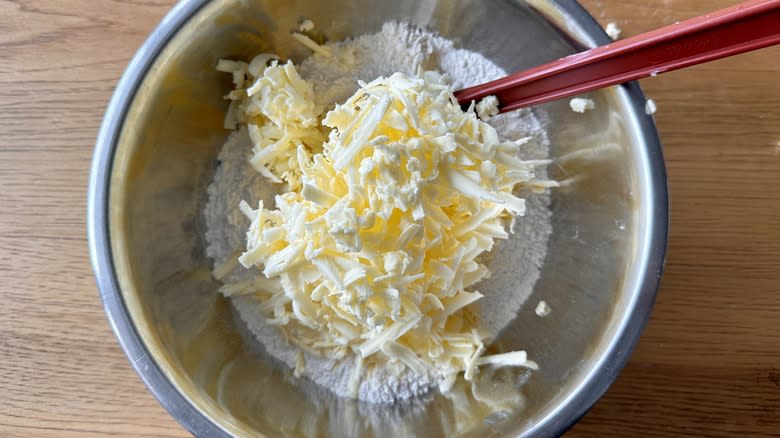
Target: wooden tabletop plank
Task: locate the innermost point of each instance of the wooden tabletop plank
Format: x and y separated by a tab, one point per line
708	363
62	372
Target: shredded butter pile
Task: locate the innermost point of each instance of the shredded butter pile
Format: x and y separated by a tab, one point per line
372	253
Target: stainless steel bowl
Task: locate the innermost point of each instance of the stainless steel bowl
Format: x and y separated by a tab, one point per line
155	155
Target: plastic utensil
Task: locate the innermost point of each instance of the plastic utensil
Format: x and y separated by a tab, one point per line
741	28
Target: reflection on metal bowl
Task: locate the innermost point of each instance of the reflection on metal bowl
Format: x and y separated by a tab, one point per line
156	154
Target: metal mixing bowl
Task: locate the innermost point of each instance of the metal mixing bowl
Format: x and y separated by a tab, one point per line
156	153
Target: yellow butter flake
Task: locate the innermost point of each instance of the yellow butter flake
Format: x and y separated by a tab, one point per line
228	66
283	259
393	332
360	138
399	352
354	381
306	25
459	301
300	364
511	359
259	63
308	42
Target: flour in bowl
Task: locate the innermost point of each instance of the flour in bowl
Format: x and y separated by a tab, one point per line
333	74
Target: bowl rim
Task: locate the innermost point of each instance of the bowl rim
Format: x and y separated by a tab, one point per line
196	422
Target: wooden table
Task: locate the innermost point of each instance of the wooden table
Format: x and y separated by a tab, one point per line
708	363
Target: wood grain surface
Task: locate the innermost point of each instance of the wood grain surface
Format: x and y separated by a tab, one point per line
708	363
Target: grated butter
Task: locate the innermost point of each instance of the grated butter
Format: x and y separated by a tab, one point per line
391	198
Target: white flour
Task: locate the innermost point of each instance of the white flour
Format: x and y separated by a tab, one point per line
514	263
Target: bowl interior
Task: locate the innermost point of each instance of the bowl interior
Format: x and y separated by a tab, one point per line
166	156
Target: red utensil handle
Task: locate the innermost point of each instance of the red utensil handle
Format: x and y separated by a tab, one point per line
738	29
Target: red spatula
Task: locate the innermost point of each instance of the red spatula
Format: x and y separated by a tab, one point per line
747	26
